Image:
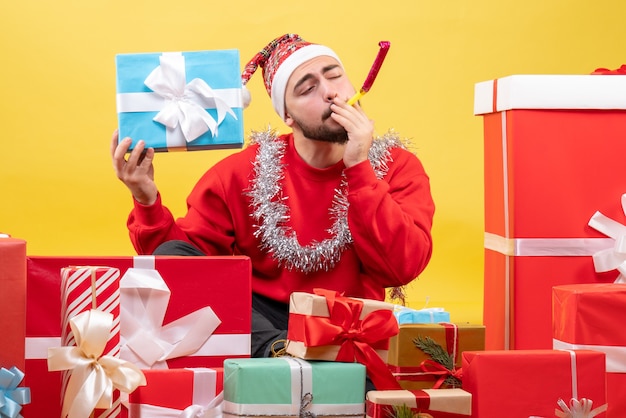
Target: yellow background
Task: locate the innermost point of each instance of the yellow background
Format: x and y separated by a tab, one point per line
57	111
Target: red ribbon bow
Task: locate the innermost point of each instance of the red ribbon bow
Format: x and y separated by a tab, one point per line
354	336
431	367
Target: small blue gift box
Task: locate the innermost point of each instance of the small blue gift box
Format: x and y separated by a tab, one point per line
180	100
406	315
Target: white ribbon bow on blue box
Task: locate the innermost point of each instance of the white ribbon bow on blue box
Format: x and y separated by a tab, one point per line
181	100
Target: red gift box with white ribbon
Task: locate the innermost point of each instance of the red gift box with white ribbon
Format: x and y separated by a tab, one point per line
587	316
524	383
221	283
173	392
552	144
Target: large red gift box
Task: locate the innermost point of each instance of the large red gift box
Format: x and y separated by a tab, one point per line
552	144
223	283
12	302
523	383
591	317
170	392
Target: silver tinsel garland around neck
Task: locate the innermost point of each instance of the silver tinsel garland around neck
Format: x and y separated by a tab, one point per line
271	212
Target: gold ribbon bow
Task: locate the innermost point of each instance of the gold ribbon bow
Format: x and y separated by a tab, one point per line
93	376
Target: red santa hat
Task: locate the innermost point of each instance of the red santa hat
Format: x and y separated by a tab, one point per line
278	60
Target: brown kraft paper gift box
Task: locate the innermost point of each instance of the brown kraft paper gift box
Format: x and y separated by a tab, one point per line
405	359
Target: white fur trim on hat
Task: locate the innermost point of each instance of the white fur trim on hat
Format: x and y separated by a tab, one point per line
293	61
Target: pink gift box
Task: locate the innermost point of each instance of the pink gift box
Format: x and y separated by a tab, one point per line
551	147
590	316
223	283
169	392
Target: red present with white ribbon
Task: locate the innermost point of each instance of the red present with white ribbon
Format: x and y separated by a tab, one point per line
523	383
439	403
179	393
92	374
222	283
552	144
328	326
587	317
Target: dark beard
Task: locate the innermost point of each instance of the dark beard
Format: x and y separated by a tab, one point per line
322	132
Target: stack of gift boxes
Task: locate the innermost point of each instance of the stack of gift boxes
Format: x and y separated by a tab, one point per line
554	215
170	336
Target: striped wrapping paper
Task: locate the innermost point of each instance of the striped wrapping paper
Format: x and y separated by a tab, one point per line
84	288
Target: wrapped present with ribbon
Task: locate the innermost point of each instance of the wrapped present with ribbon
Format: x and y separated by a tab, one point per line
181	100
437	403
328	326
290	387
524	383
90	316
179	393
93	375
12	397
537	209
222	283
584	318
424	356
406	315
12	301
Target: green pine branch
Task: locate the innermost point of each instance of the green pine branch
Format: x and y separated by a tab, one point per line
403	411
439	355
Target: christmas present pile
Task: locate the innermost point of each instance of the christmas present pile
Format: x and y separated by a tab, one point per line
150	324
138	317
554	228
537	210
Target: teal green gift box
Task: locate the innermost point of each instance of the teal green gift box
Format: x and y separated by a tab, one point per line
292	387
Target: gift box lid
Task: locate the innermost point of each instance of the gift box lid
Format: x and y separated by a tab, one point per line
602	92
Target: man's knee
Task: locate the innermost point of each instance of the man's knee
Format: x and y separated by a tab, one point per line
177	247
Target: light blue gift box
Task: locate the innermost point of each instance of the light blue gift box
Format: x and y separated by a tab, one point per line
292	387
199	90
406	315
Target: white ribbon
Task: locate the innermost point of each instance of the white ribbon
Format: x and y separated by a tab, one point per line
212	410
615	355
145	341
185	103
611	258
578	409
